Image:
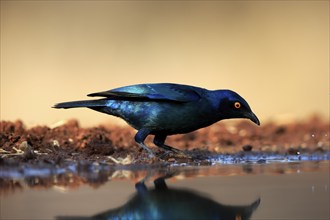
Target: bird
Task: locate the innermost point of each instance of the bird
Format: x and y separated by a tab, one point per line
164	109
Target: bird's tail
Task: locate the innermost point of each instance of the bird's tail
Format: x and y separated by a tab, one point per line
83	103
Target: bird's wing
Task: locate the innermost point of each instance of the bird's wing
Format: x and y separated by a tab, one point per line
157	91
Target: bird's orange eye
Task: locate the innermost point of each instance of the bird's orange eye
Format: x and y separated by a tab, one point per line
237	105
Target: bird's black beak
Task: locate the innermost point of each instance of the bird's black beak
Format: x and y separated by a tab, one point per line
253	118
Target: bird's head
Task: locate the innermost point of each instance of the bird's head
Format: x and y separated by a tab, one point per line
232	105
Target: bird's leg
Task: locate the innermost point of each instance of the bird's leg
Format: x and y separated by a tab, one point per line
140	136
141	188
160	183
159	141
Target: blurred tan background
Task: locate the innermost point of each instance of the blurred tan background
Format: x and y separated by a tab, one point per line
275	54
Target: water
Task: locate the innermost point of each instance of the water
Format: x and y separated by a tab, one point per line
278	190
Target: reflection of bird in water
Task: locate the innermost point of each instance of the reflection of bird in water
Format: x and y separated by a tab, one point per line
165	203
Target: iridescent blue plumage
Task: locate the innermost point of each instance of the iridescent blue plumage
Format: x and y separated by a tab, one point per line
165	109
156	91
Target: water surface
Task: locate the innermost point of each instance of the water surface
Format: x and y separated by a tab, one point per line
291	190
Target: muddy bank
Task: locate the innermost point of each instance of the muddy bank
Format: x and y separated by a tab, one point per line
67	141
67	155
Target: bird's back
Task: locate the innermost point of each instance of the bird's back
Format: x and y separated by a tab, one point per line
154	91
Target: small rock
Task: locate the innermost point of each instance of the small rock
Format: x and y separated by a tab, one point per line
28	151
247	148
293	151
280	130
55	144
24	145
261	161
319	149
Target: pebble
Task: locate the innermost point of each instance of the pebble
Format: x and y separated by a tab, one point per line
247	148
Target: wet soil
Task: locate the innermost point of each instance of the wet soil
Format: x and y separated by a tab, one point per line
111	144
